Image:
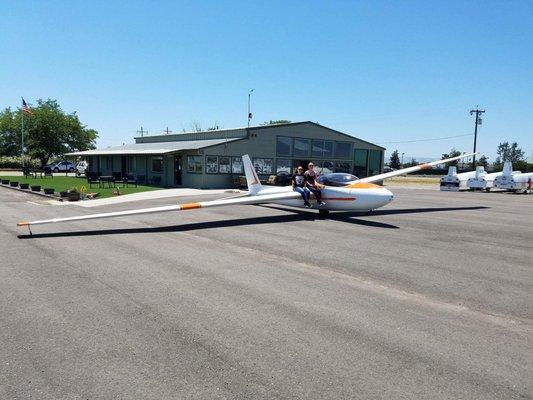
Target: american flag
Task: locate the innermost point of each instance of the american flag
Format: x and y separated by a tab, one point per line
26	108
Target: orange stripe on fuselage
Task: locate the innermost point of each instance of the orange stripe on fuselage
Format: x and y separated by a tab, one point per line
339	198
363	185
190	206
425	166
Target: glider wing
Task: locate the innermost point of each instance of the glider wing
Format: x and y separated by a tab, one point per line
408	170
266	198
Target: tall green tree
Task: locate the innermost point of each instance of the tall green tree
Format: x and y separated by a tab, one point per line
482	161
9	133
48	132
508	152
51	132
394	161
453	153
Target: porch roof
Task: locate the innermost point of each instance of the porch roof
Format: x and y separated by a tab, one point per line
153	148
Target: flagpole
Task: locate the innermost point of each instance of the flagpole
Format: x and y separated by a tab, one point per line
22	137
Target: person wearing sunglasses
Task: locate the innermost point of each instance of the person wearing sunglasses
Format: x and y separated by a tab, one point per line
299	185
310	179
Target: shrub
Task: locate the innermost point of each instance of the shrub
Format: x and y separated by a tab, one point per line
16	162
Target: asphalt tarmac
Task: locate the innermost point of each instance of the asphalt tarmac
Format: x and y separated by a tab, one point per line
430	297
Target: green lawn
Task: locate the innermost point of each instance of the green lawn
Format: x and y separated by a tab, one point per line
62	183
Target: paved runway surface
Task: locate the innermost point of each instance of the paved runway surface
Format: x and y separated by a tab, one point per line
429	298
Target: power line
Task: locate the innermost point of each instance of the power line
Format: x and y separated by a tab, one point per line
426	140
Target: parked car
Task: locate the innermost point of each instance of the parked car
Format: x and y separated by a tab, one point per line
63	166
82	167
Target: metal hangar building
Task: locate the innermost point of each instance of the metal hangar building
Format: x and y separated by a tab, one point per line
212	159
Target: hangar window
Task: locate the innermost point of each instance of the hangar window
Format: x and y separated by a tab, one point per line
284	166
284	146
211	164
157	164
224	165
236	165
322	148
374	162
263	165
343	150
301	147
130	163
195	164
328	149
317	148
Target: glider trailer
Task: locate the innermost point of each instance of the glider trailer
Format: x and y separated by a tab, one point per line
340	192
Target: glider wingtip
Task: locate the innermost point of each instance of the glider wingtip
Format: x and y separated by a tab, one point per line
23	223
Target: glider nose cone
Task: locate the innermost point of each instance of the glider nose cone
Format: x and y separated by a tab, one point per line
387	196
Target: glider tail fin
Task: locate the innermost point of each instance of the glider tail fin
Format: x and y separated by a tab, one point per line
254	185
507	168
452	170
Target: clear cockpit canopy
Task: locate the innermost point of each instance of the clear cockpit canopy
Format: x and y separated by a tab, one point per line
336	179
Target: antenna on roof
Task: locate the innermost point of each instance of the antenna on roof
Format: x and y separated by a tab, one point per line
142	131
167	131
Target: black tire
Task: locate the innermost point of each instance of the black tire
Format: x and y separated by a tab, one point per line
71	169
56	170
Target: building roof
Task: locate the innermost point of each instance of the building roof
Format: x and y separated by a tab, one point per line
153	148
242	132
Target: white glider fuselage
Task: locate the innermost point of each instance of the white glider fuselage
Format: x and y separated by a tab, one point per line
366	197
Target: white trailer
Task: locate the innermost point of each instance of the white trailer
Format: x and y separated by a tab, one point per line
453	182
516	182
484	180
507	178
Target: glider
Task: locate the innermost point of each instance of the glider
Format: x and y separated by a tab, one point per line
340	192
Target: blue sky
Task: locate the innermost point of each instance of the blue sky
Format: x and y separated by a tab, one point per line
383	71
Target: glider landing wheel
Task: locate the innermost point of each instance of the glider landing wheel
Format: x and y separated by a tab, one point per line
323	213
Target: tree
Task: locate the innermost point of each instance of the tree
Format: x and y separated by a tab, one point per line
453	153
411	163
511	153
9	133
482	161
50	132
394	160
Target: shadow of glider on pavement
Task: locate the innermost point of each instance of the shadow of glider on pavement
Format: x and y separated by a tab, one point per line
296	215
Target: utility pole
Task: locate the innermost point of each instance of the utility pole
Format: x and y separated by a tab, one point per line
249	113
477	122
